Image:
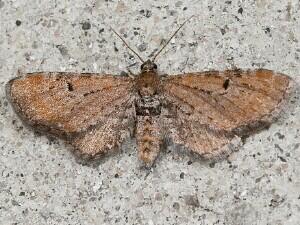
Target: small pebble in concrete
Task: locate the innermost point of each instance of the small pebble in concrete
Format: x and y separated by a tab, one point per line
18	22
86	25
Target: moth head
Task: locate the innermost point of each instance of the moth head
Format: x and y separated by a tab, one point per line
148	66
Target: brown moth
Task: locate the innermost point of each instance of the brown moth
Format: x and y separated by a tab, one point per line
205	112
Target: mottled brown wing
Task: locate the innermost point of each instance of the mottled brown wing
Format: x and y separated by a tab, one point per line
199	138
213	108
76	107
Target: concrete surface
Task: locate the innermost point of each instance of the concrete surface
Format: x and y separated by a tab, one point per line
40	180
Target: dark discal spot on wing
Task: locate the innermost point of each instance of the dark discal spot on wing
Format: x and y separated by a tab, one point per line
226	84
70	86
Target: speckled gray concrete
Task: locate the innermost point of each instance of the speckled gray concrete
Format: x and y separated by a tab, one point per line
42	183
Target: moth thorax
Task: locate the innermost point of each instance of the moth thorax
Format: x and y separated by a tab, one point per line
148	106
147	91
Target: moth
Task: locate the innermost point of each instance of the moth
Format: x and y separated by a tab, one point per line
207	113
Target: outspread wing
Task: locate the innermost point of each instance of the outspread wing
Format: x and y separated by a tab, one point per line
75	106
224	105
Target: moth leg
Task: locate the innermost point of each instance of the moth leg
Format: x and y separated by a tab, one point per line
41	63
21	72
164	75
130	73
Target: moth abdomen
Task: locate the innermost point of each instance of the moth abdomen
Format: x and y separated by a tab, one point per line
148	138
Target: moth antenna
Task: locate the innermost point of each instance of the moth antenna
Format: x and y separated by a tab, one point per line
127	45
172	37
